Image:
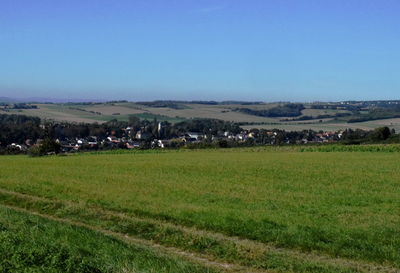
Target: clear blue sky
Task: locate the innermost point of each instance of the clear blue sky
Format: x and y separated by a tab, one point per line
265	50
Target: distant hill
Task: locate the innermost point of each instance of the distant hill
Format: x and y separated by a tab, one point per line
46	100
5	99
325	116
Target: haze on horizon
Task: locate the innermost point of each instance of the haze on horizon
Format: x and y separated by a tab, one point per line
200	49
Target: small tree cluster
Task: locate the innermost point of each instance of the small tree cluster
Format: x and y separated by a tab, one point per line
47	147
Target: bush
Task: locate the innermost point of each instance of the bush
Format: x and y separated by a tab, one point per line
381	133
47	147
10	150
222	143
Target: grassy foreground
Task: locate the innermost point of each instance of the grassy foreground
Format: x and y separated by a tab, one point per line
302	211
33	244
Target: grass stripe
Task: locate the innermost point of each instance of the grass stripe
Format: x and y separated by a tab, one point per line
216	246
31	242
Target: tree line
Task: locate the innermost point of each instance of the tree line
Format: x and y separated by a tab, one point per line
19	128
22	129
286	110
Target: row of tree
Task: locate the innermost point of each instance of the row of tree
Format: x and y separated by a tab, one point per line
19	128
286	110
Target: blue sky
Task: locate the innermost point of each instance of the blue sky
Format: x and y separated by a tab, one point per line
200	49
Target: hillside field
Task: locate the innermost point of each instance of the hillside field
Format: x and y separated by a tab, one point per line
102	112
215	210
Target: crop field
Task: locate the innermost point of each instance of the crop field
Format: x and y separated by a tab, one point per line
329	125
91	113
57	112
214	210
223	112
102	112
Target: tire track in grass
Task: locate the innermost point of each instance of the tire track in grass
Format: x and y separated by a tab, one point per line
216	247
193	257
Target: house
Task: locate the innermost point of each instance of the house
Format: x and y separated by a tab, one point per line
67	147
241	136
143	135
18	147
113	139
92	141
133	144
195	135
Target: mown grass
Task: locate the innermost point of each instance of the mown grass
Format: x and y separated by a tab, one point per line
33	244
218	247
340	204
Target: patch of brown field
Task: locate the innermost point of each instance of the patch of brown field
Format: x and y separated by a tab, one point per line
223	112
107	109
316	112
62	115
298	126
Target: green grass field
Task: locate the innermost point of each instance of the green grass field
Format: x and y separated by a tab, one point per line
233	210
34	244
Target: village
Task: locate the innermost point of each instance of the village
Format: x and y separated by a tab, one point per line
137	140
23	134
142	139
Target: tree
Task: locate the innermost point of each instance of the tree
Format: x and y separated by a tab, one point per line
380	134
47	146
134	122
